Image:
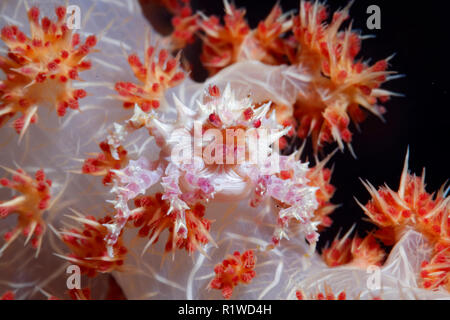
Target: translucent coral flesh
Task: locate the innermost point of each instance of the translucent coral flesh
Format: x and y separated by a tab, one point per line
149	206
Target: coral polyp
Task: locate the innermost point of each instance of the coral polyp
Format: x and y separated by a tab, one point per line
7	296
222	44
158	73
436	272
412	207
338	84
319	176
30	206
327	295
40	68
104	162
235	269
88	248
219	152
151	217
356	252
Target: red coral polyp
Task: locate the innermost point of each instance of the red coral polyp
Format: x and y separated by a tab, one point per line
88	246
320	177
222	43
29	206
413	207
9	295
40	69
341	86
102	163
158	73
436	272
235	269
356	252
327	295
185	24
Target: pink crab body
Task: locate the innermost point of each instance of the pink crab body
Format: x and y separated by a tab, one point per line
235	269
88	248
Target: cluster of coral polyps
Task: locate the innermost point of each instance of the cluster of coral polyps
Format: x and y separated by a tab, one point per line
234	269
30	205
155	77
328	295
412	206
40	68
338	87
200	163
196	171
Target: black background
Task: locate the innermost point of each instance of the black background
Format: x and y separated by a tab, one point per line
417	32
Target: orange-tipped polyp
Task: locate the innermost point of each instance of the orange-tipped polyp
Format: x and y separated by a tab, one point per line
40	68
235	269
30	206
158	73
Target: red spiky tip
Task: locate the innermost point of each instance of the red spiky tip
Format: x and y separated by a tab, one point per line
222	42
410	206
185	23
436	272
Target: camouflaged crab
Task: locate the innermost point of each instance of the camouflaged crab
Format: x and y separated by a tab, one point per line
223	150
